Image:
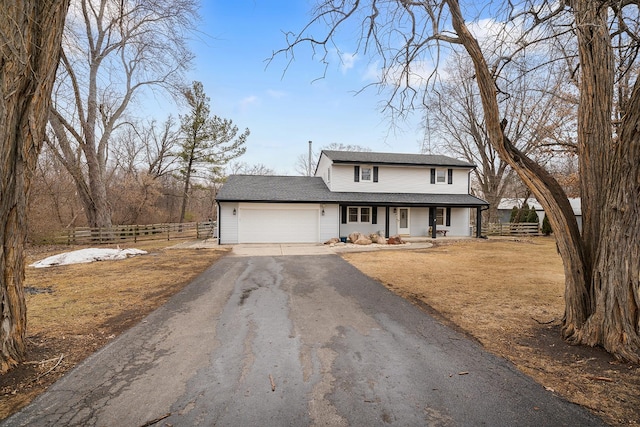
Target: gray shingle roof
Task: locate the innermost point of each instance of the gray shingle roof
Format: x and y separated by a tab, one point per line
394	158
303	189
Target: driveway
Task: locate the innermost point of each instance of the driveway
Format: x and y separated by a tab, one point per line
295	340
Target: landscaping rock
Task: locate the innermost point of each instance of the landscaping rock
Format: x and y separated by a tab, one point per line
376	238
332	241
395	240
363	241
353	237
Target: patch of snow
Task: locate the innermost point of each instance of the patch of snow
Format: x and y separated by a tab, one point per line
87	255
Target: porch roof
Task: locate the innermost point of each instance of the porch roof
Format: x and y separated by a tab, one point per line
303	189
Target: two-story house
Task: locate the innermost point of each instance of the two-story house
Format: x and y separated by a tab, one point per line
385	193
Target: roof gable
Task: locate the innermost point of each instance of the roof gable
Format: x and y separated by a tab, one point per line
399	159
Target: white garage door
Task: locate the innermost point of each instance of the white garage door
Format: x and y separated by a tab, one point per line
278	226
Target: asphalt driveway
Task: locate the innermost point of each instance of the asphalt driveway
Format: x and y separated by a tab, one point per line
294	341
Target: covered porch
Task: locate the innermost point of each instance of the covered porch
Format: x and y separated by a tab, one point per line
414	220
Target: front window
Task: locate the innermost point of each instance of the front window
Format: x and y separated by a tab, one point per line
365	173
359	214
441	176
440	216
365	214
353	214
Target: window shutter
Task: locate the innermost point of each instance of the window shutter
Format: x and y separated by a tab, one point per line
450	175
448	216
374	215
356	174
375	175
344	214
433	176
430	217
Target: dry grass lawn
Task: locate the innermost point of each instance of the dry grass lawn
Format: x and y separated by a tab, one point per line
508	294
74	310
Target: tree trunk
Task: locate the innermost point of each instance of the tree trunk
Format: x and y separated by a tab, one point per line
602	273
31	33
610	175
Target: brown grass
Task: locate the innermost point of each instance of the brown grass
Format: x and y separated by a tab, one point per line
74	310
508	294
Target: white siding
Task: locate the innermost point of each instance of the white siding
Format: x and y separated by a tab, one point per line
419	218
330	223
397	179
323	170
228	224
460	222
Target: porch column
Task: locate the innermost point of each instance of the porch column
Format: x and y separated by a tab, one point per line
479	222
433	221
386	222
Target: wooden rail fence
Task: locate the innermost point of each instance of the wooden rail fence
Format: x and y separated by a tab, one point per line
511	229
136	233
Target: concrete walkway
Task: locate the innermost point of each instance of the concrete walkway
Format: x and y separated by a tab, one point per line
285	249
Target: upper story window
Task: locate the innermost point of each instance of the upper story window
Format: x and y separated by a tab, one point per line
365	173
441	176
329	175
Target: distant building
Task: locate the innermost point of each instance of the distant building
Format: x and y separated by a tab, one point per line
506	205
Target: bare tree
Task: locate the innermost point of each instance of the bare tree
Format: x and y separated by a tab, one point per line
602	273
306	166
146	146
113	50
532	104
243	168
30	37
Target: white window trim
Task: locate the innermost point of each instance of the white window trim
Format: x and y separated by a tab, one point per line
445	172
359	208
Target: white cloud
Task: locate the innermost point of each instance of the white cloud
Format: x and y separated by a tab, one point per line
249	101
276	94
347	61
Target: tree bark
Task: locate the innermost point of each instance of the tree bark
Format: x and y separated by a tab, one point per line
610	175
602	272
30	34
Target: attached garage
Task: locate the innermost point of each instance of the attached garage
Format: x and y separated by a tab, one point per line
270	223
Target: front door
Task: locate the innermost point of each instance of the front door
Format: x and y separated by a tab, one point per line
403	221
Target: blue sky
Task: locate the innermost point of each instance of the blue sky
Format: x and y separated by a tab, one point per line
284	112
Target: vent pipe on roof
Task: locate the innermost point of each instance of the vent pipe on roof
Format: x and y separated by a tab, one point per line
310	172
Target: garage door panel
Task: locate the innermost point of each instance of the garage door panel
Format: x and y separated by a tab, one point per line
278	225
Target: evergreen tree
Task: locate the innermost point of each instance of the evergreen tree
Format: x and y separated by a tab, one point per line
546	226
208	141
532	216
514	214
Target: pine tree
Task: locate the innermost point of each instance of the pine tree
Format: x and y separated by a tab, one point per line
546	226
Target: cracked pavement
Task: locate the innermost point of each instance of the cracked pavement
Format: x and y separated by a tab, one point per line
294	341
